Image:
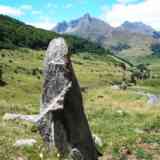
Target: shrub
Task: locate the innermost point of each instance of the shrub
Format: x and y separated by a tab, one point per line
156	49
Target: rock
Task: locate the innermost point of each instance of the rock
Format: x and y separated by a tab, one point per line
25	143
13	116
84	89
124	85
125	152
153	99
115	87
139	131
97	140
75	154
120	112
21	158
9	116
66	126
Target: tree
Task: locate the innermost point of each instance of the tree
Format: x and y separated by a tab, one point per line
141	72
156	49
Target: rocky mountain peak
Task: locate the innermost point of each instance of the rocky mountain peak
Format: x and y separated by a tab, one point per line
87	15
86	26
137	27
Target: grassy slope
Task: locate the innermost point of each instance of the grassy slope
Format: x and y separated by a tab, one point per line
140	45
121	118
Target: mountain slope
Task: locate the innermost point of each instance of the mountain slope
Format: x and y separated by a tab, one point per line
130	45
137	27
86	27
128	40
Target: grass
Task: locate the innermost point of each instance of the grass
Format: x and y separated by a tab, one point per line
127	125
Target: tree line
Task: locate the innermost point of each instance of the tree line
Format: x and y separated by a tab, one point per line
14	33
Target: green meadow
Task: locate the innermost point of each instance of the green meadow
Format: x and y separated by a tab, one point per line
127	125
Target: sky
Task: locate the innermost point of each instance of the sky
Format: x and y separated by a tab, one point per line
47	13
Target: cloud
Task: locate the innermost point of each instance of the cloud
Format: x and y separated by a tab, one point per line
11	11
127	1
43	22
46	23
147	12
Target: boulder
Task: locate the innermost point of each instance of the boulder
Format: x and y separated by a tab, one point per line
66	126
153	99
25	143
115	87
97	140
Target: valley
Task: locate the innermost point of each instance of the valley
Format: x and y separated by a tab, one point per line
127	125
123	115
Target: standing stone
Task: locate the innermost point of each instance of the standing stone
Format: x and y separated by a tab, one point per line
66	126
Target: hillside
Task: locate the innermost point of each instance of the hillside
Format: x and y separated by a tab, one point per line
130	45
122	119
14	33
131	39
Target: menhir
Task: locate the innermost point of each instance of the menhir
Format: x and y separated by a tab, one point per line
65	126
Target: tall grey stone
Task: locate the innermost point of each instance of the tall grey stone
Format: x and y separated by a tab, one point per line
65	126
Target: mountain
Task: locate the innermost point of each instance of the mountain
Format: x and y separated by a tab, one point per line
14	33
131	39
130	45
137	27
156	35
86	27
96	29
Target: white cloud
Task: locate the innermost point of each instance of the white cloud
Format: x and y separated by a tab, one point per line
45	24
26	7
147	12
11	11
127	1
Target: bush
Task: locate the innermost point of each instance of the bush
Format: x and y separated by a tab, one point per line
141	72
156	49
